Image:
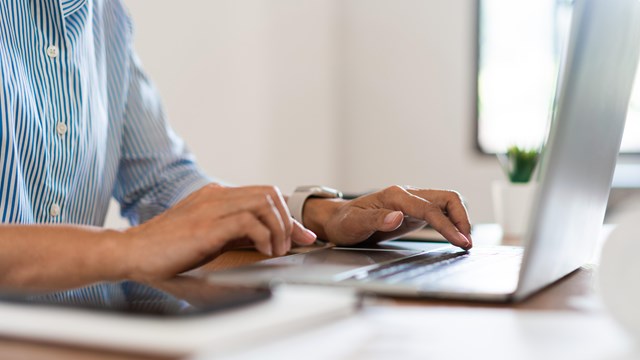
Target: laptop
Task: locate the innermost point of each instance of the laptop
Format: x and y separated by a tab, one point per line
575	177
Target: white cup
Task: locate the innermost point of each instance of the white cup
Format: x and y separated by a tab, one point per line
619	272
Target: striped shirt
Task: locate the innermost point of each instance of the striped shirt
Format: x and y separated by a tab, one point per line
80	121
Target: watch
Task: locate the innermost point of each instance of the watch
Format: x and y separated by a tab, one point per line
300	195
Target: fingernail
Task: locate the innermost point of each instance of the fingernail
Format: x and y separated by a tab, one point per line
464	240
392	217
309	235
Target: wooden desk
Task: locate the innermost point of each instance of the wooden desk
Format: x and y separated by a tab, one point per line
561	296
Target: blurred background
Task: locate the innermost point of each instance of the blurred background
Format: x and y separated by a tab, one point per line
353	94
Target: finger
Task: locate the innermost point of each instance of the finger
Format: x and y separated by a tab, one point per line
371	220
457	212
278	201
272	216
444	226
397	198
281	205
241	225
262	206
452	202
301	235
388	220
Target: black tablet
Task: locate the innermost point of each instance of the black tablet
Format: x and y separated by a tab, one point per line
181	296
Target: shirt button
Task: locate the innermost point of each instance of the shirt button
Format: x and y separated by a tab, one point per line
54	210
61	128
52	51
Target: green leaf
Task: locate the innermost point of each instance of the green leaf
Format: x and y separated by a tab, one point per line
520	163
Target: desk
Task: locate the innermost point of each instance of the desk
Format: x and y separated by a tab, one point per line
570	294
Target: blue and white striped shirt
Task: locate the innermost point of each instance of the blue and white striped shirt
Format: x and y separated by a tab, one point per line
79	119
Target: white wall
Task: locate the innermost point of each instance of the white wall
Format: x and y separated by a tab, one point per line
245	82
408	100
356	94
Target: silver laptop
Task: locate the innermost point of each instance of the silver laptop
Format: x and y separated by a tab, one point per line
575	178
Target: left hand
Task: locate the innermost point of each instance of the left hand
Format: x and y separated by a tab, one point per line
388	214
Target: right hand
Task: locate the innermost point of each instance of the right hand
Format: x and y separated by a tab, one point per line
206	223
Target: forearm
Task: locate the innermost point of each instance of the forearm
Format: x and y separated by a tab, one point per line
58	256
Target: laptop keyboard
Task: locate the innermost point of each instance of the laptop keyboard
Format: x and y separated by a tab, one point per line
433	266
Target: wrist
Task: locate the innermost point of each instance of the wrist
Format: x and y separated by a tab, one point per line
111	256
317	213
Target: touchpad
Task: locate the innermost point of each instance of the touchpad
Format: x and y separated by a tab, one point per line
343	257
324	266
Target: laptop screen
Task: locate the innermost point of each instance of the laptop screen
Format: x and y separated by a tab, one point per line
580	156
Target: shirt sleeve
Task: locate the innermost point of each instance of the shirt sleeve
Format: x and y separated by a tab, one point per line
156	170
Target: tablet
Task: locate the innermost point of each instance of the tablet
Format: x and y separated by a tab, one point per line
174	318
181	296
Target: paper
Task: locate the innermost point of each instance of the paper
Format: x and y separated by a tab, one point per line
455	333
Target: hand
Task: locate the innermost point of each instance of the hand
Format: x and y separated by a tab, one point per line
208	222
390	213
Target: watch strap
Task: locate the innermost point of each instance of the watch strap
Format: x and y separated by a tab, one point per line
300	195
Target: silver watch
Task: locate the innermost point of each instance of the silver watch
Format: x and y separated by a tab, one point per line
302	193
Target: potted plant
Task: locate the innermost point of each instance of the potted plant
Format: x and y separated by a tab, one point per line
513	199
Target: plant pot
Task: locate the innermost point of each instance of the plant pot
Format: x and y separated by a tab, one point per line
512	204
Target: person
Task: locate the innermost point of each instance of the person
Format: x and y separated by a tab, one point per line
81	122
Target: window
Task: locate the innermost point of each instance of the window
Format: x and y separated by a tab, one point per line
519	49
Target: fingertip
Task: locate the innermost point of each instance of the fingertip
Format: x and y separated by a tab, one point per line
465	241
266	250
308	236
302	235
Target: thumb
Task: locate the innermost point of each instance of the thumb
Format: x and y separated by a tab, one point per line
387	220
301	235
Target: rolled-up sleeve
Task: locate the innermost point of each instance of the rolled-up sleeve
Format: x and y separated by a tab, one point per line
156	169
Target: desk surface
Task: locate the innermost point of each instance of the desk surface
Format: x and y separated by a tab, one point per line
570	294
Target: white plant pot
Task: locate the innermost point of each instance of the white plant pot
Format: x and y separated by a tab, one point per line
512	204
